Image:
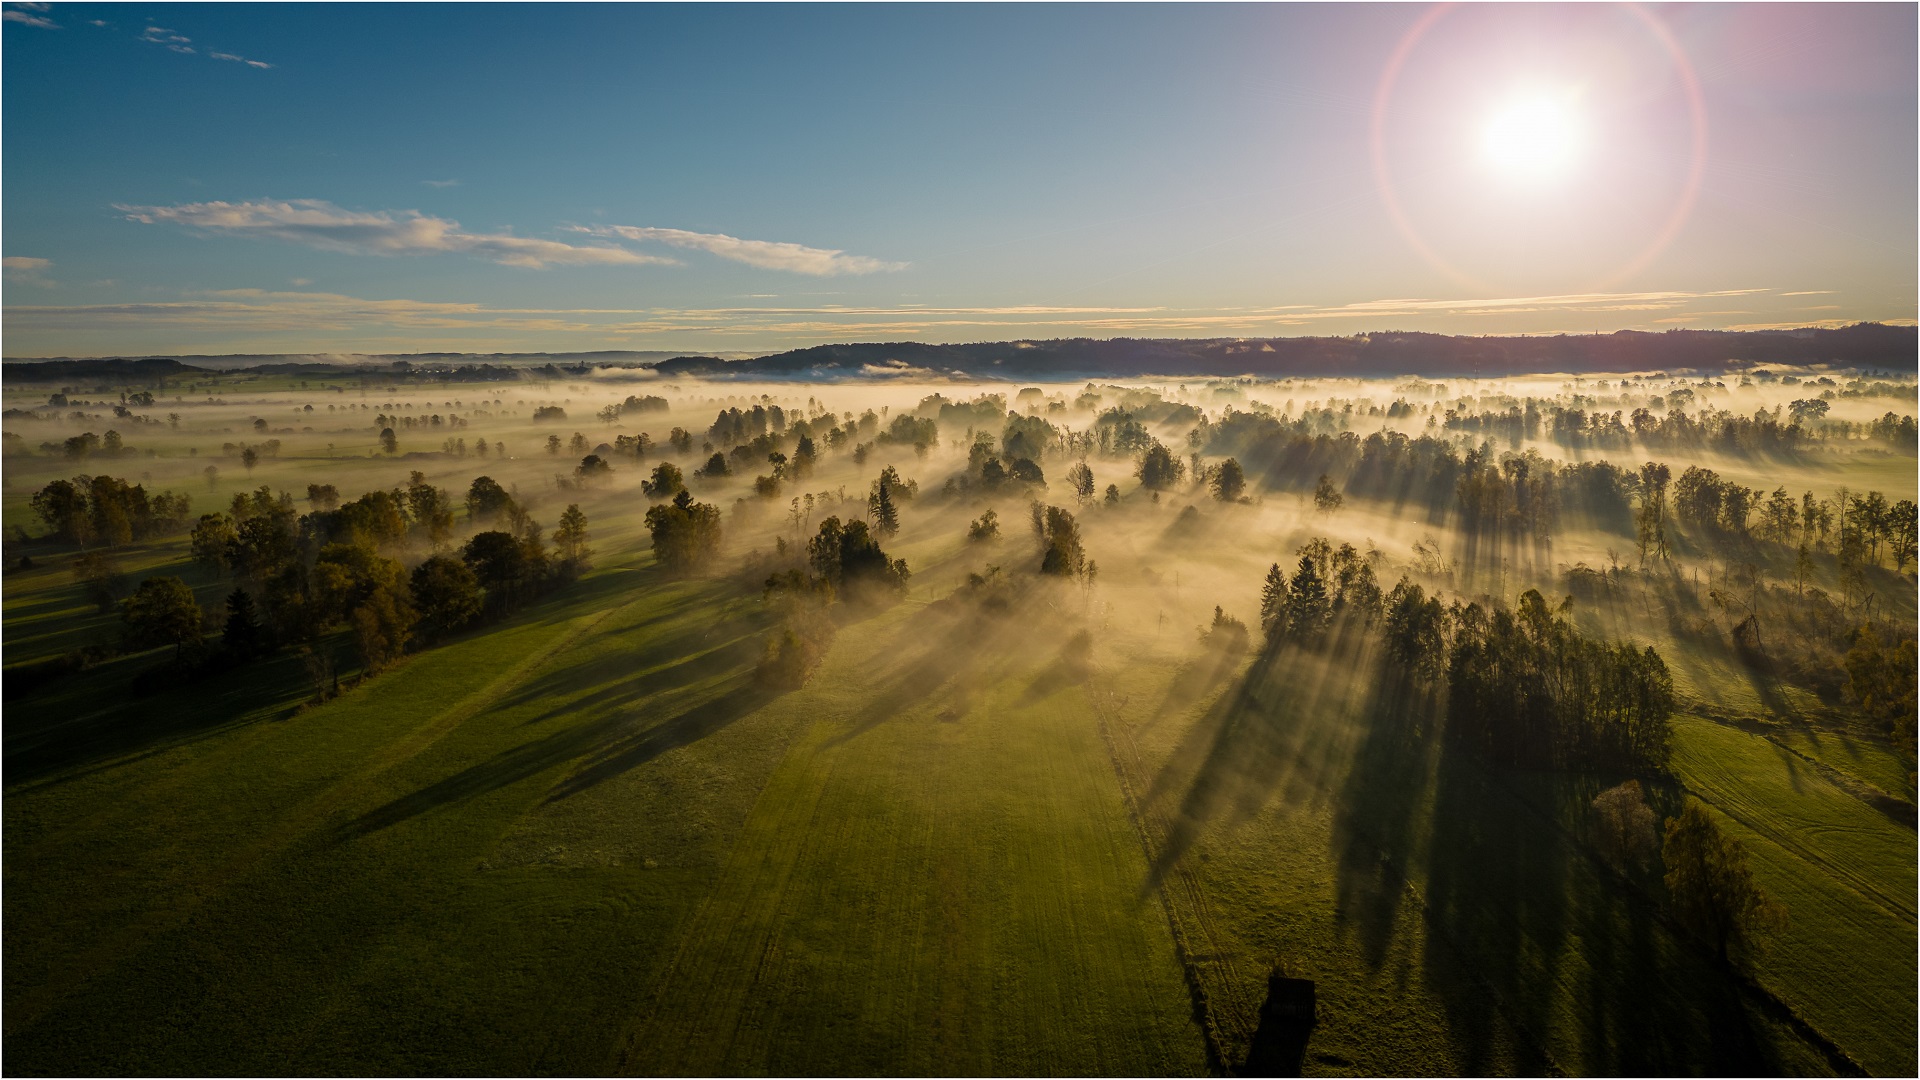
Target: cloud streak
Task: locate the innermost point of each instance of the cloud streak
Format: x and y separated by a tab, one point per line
24	14
261	64
319	224
765	254
24	270
160	35
305	321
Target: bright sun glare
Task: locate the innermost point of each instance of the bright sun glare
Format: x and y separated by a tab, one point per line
1531	138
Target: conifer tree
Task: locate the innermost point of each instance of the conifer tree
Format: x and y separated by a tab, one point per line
1308	610
886	517
243	635
1273	600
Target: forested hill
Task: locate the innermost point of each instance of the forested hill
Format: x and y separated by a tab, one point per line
1865	345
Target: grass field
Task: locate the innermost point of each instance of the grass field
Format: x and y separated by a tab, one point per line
584	839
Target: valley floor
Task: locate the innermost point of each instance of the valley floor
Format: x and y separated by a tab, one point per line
585	841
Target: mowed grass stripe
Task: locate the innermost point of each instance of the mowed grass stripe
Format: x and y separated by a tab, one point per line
940	878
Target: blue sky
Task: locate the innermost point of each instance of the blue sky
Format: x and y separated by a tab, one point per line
303	178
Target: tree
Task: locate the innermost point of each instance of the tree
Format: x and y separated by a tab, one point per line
1902	534
1229	481
1308	609
553	443
851	560
500	563
1159	469
1416	633
382	625
445	590
715	468
1651	521
389	442
100	579
487	500
250	457
162	611
985	528
1061	553
1712	892
323	496
886	517
1881	680
212	542
1326	497
243	636
592	468
571	537
1080	479
1273	601
1625	826
62	504
1113	495
665	483
686	534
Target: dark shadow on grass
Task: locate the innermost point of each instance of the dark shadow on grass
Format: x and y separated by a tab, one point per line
1510	896
607	743
1278	733
92	720
630	751
953	642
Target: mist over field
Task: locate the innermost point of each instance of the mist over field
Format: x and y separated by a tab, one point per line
959	539
1122	697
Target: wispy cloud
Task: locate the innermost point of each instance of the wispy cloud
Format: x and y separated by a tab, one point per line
262	64
441	183
320	224
181	43
765	254
23	270
301	321
28	13
160	35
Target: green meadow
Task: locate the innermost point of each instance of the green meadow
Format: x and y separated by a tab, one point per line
588	837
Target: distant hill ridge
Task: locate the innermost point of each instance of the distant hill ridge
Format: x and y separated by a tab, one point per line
1865	345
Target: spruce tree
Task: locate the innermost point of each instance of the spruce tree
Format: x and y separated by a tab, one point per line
886	518
1308	610
243	635
1273	600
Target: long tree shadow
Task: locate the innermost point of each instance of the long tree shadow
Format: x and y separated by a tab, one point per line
1546	956
1380	816
956	641
1279	733
634	749
653	648
607	742
94	720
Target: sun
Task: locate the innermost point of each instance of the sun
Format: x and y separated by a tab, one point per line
1531	138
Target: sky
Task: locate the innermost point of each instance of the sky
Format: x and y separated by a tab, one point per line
232	178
